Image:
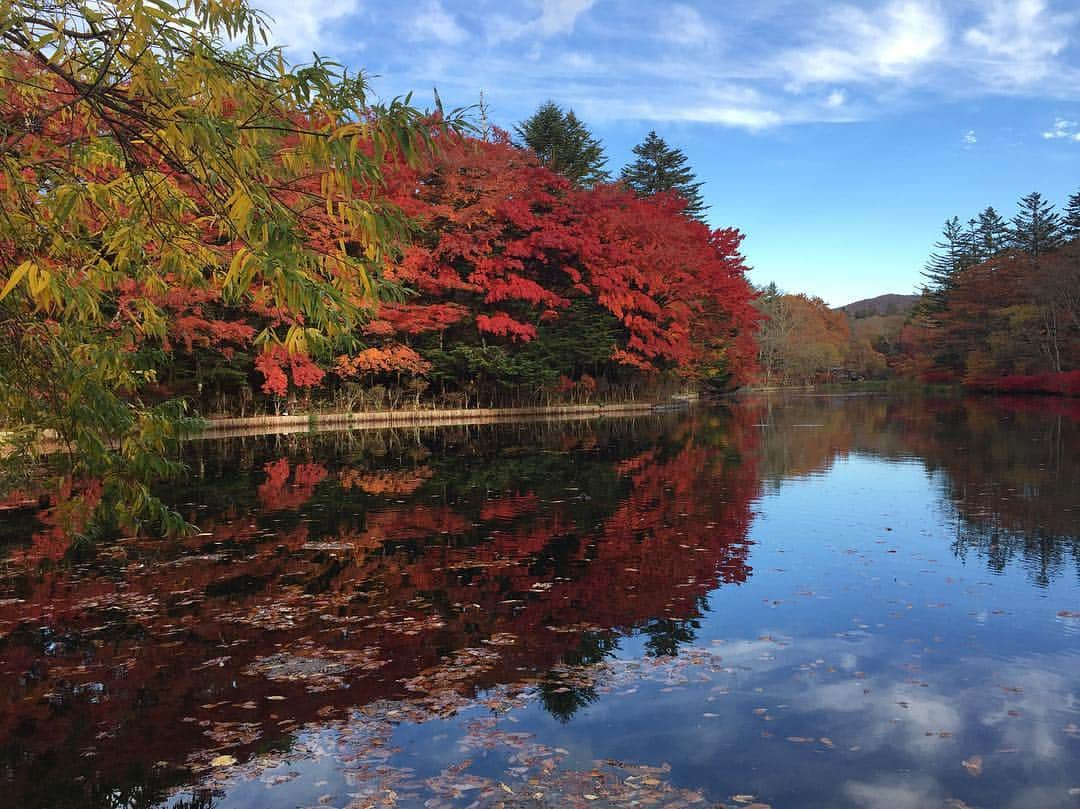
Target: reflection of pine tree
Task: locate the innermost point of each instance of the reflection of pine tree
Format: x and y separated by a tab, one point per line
560	693
564	699
666	635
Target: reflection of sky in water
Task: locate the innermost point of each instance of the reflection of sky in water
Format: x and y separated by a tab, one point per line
862	664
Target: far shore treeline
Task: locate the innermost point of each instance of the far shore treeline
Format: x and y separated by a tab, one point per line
191	226
1000	311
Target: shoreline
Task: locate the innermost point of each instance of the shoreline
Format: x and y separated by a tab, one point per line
326	422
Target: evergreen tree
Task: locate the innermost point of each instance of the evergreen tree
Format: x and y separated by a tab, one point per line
1071	221
974	244
564	144
992	234
1036	227
952	253
659	168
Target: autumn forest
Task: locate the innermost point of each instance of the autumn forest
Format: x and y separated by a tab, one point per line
371	452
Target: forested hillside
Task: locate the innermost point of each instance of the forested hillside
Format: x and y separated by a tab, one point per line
1001	310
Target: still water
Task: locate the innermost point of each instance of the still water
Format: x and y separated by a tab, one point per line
797	602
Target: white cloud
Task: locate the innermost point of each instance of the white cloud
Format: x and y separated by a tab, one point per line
306	27
556	17
893	792
858	46
1019	39
968	138
560	16
432	22
684	25
1063	129
748	66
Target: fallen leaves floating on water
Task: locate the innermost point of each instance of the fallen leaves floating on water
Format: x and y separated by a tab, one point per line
223	761
973	765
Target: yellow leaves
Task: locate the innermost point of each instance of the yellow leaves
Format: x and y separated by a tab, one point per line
16	277
40	284
241	269
240	207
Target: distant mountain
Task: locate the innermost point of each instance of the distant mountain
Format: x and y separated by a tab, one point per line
881	305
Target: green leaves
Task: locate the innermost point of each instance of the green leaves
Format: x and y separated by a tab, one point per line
141	157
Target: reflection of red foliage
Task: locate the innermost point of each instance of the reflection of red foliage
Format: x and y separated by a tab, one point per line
508	508
399	482
275	493
1066	383
75	502
415	581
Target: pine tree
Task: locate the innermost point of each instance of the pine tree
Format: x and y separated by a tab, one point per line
951	254
1036	227
974	244
564	144
659	168
992	234
1071	221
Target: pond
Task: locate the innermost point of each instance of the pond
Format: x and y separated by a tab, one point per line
805	601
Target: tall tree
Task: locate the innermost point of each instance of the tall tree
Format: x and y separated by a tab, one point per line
951	254
660	168
992	234
564	144
1036	228
1070	222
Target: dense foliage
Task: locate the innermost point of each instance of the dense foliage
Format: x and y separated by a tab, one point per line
525	285
194	227
515	287
1002	310
151	180
802	341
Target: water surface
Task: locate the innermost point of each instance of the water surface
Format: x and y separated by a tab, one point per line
798	602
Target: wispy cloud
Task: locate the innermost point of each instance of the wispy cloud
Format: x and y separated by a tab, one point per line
1020	39
559	16
756	67
432	22
969	139
853	45
1063	130
320	27
684	25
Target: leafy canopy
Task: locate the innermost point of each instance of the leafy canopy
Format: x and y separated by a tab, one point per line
140	154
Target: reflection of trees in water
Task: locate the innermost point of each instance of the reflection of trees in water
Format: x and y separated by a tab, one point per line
561	695
1009	467
1043	557
528	547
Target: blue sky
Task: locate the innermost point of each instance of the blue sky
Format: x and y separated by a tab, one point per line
837	136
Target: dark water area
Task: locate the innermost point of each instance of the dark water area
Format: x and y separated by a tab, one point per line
791	602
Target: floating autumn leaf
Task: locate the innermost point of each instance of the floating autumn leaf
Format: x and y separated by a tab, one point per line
973	765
